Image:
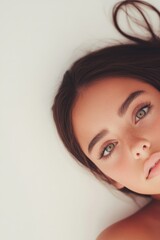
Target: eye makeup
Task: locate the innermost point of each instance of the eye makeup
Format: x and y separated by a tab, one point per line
144	108
111	145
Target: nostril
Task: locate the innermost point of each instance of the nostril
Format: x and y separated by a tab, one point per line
144	146
137	154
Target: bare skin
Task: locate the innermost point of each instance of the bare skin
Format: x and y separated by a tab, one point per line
143	225
116	122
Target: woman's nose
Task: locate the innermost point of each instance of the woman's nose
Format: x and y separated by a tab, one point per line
141	149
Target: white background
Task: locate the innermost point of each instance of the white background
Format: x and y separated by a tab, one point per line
44	193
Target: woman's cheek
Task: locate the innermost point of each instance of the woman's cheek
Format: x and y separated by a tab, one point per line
114	167
151	128
155	122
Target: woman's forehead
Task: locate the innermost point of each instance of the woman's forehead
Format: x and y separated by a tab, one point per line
110	90
97	104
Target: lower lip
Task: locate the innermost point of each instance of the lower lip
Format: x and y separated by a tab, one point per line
155	170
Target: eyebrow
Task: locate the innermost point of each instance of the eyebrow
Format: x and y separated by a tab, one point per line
121	111
125	105
96	139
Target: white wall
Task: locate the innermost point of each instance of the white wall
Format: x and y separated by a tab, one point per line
44	193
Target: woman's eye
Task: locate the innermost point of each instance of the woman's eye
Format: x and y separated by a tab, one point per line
108	150
142	112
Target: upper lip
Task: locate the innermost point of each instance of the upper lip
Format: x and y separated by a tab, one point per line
150	163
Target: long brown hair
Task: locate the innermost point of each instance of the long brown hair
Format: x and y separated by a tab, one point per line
138	58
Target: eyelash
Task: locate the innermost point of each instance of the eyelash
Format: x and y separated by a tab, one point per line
140	108
109	155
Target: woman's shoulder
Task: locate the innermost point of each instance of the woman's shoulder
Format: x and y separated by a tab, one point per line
129	228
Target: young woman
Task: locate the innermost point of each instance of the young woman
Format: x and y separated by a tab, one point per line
107	113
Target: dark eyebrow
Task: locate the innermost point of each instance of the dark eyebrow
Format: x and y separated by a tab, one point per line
96	139
123	108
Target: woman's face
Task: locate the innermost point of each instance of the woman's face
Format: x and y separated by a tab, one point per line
117	124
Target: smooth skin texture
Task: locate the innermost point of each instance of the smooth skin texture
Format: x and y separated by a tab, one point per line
120	138
127	136
143	225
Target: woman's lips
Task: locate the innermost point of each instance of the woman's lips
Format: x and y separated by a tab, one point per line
154	171
152	166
